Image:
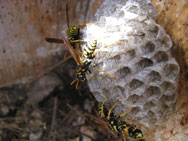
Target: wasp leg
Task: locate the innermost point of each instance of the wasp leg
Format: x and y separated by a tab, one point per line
110	110
129	121
104	92
102	104
124	138
77	82
116	43
113	78
84	24
92	76
144	138
75	41
122	115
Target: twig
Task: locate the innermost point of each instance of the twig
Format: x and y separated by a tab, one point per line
88	136
53	119
20	140
86	10
78	112
61	113
35	124
67	116
11	126
39	75
11	118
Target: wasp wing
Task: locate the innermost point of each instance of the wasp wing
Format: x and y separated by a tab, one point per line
72	51
54	40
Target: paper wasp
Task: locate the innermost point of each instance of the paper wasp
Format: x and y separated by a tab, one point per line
116	124
84	58
88	53
71	39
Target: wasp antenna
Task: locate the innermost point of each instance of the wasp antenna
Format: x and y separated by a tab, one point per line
145	138
122	115
67	12
110	110
116	43
86	10
111	77
84	24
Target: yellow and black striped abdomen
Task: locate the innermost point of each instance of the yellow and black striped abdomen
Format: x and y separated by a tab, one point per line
89	49
73	33
135	133
123	127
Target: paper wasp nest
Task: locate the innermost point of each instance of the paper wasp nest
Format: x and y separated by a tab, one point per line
145	71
